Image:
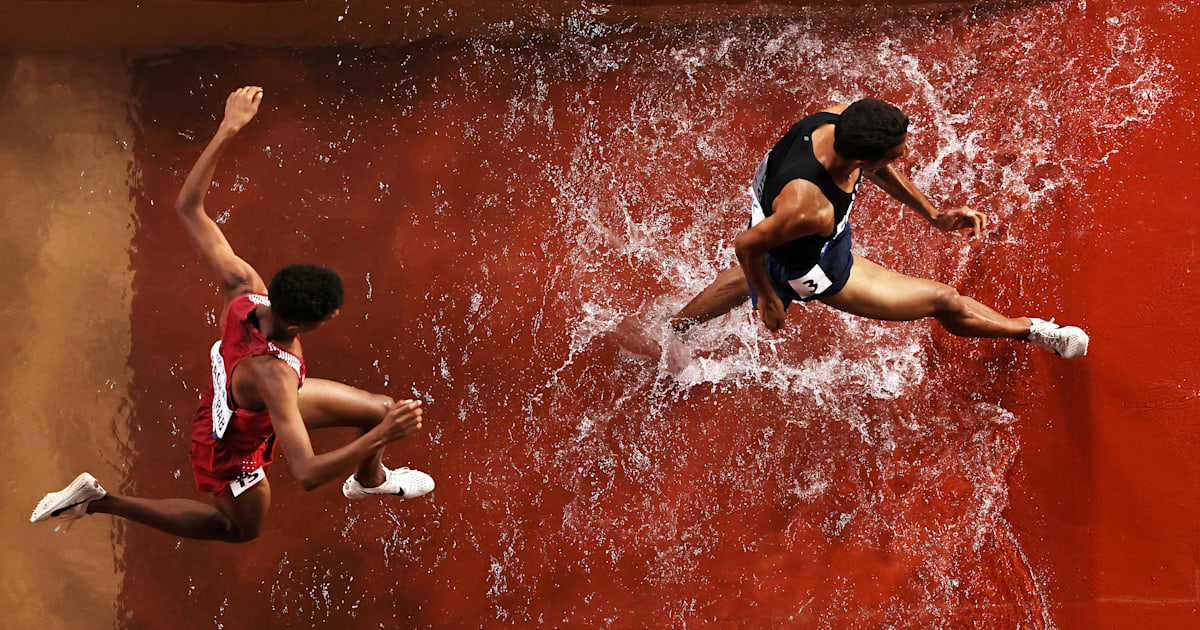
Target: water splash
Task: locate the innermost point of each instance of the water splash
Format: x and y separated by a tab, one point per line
516	194
1011	113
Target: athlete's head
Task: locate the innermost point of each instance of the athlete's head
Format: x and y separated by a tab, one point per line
872	132
304	296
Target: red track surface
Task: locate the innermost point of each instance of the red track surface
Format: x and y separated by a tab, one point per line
486	245
1108	485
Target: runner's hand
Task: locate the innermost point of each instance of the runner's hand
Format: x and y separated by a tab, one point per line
402	419
241	106
770	308
962	218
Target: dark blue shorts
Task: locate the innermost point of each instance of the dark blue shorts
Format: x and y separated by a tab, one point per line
810	281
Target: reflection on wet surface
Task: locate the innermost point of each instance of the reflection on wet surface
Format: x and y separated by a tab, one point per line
496	204
64	324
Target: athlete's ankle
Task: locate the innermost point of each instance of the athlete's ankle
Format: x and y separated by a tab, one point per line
98	505
1026	328
680	325
376	478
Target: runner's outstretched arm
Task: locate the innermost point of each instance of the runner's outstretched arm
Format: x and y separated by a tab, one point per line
236	275
894	183
277	384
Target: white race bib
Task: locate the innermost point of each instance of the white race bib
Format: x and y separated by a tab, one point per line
755	190
222	413
247	481
811	283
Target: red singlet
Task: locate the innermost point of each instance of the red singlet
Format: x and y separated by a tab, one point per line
229	443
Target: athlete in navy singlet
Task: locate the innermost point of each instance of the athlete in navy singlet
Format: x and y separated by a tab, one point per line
797	245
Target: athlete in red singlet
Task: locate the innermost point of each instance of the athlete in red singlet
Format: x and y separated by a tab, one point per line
258	393
232	444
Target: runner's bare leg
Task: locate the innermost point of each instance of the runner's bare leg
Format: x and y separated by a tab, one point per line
325	403
233	519
728	291
878	293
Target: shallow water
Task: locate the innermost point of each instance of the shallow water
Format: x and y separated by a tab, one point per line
496	204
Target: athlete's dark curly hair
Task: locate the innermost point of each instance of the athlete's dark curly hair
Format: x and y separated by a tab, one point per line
868	129
305	294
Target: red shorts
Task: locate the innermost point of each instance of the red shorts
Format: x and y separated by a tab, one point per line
218	463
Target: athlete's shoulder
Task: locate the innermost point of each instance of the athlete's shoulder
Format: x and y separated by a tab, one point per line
248	298
801	195
836	109
803	202
239	305
270	370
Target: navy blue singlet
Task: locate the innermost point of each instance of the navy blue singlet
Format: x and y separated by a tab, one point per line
792	158
813	266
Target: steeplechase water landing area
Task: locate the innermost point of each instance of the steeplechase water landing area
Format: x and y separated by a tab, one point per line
499	188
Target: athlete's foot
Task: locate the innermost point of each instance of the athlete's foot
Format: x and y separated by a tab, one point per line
1068	342
636	339
70	503
402	482
678	355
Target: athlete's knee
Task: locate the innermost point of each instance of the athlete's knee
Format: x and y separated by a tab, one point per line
243	532
381	402
241	536
947	301
231	532
371	412
249	534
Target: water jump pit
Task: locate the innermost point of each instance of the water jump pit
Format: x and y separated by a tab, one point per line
498	193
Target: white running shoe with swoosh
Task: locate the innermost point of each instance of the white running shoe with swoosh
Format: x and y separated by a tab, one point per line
402	482
70	503
1068	342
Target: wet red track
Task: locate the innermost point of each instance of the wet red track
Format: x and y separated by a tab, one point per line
496	203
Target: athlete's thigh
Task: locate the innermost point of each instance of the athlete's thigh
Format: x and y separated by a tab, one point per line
878	293
326	403
249	509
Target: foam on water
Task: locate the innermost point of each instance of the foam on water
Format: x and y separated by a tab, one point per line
874	461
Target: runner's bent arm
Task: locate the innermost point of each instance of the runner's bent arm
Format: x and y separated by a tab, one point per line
277	384
894	183
799	210
236	275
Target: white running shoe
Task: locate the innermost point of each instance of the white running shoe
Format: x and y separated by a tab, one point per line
1068	342
402	482
70	503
